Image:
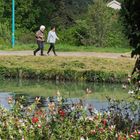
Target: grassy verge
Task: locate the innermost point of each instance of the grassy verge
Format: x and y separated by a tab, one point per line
65	68
68	48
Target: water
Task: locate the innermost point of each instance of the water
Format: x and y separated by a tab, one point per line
71	90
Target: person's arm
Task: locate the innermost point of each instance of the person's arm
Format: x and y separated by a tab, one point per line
56	36
39	35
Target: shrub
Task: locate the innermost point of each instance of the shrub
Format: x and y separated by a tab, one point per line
57	118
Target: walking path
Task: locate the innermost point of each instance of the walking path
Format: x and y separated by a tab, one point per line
77	54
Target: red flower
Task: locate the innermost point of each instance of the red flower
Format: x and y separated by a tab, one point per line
61	112
104	122
35	120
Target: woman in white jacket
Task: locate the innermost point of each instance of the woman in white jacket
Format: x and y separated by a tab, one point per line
52	37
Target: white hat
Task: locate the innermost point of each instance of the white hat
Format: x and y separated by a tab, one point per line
42	28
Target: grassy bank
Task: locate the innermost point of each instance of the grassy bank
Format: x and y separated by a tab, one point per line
65	68
68	48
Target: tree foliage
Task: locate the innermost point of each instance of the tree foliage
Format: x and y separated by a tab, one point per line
100	27
31	14
131	15
80	22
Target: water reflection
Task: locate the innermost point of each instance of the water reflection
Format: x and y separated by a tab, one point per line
73	91
68	89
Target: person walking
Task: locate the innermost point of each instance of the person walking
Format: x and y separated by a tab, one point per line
40	40
52	37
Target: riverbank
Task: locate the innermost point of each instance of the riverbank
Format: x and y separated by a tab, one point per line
66	68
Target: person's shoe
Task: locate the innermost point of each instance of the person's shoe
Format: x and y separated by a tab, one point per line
55	54
34	53
42	54
48	54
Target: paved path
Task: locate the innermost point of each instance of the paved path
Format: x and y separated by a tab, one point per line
77	54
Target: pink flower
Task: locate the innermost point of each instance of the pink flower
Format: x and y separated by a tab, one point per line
131	136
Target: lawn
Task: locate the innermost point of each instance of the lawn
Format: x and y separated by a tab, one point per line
69	48
66	68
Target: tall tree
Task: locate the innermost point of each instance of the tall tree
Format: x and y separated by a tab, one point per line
131	15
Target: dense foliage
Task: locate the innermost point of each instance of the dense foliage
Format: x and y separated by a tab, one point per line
78	22
130	12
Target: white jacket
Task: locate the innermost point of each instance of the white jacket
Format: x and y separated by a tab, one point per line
52	37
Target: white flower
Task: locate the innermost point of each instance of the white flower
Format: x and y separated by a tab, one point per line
82	138
21	121
21	106
130	92
124	86
20	131
23	124
31	127
129	80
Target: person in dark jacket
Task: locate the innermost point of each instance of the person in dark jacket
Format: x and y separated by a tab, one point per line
40	40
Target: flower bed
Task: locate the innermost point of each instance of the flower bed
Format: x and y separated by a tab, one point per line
62	121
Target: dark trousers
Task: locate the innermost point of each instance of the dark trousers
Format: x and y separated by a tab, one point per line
52	47
40	47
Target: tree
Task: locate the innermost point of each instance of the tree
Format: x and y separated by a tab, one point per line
1	8
96	25
99	21
131	16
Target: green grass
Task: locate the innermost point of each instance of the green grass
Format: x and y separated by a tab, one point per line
66	68
68	48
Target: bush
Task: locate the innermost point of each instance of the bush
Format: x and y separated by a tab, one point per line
25	37
5	34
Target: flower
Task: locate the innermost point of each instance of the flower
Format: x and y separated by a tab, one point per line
39	125
82	138
37	99
112	127
10	100
131	136
129	79
104	122
35	120
124	86
61	112
130	92
93	132
51	106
